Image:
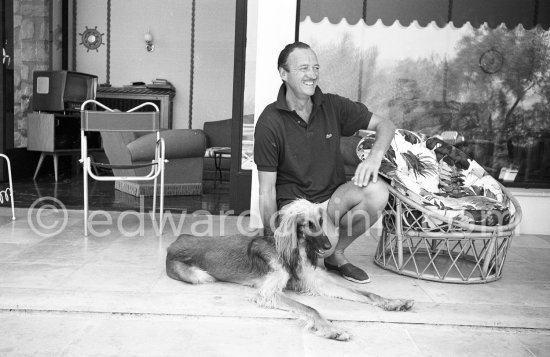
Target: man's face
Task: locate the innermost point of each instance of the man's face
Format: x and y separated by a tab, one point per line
303	72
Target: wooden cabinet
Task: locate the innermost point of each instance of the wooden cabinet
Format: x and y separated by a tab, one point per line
41	134
57	135
125	98
50	132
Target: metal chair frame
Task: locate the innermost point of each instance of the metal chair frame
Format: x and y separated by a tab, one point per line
113	120
4	193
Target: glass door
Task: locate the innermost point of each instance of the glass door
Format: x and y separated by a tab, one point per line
243	108
6	83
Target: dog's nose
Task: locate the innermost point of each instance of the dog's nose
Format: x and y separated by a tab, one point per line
327	245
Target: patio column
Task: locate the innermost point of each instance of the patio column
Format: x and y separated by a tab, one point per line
276	28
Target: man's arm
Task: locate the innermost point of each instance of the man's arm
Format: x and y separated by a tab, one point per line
268	199
368	168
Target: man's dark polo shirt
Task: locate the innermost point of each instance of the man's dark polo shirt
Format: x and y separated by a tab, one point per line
306	156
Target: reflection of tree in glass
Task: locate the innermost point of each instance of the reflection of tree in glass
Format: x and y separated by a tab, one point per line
346	70
525	71
495	112
518	95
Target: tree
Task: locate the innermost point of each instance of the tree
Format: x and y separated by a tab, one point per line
525	71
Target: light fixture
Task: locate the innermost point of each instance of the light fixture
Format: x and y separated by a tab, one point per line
149	46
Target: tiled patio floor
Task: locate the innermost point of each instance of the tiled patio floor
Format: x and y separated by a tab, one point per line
108	295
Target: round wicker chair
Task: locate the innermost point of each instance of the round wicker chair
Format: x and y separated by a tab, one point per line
447	219
421	243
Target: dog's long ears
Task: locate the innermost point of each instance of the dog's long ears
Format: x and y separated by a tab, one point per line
286	236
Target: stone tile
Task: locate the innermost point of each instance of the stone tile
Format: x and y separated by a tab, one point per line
46	220
59	254
97	277
537	343
534	255
5	211
70	237
5	220
513	258
128	336
526	272
135	252
530	241
545	238
464	314
39	334
447	341
155	315
34	275
8	250
501	292
10	234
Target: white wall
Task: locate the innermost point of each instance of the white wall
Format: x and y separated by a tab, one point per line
214	48
535	206
169	21
276	28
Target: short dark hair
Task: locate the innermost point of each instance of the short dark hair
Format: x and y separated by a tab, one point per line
283	56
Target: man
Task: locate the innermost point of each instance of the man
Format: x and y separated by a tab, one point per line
297	152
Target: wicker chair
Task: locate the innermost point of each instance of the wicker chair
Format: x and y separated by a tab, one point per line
446	219
421	243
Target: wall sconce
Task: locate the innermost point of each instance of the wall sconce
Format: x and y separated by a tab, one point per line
149	46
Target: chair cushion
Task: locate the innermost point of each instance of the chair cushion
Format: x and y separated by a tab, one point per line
180	143
440	177
218	133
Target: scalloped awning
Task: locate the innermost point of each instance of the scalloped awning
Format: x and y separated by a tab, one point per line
511	13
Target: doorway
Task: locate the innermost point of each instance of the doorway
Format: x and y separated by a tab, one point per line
241	174
29	43
6	81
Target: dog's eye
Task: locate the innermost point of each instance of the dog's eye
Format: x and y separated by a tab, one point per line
320	221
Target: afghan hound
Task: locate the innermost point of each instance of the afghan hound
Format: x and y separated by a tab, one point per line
272	264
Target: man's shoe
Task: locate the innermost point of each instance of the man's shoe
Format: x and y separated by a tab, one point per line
350	272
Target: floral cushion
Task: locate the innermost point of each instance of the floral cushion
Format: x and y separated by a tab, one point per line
441	178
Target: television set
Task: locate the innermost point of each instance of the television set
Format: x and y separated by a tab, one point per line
58	91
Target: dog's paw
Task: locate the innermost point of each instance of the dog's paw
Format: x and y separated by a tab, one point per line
334	333
398	305
327	330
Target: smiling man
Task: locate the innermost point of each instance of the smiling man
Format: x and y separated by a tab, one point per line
297	153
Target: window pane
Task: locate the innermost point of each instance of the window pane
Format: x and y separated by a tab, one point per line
485	90
247	157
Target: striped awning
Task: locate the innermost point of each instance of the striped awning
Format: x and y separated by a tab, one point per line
511	13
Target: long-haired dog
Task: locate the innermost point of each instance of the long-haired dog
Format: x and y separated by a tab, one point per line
272	264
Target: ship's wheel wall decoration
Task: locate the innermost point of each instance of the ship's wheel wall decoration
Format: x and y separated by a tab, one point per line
91	39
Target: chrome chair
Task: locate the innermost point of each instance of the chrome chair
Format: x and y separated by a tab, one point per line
114	120
7	194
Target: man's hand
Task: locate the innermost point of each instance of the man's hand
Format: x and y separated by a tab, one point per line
268	232
367	170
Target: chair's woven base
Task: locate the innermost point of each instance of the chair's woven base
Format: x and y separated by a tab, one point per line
146	189
445	258
419	243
